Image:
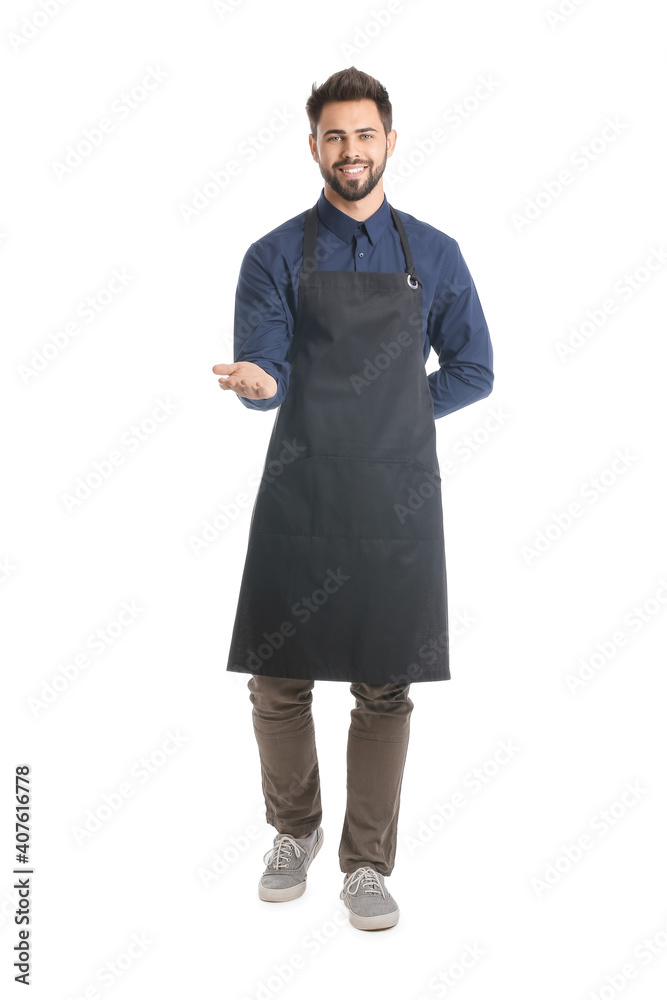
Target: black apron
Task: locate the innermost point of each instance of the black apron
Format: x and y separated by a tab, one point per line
344	577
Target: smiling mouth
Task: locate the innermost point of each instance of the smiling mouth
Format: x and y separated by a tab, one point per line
354	171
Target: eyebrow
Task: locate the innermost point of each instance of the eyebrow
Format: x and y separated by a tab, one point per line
341	131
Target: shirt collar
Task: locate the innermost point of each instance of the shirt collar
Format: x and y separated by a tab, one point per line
344	225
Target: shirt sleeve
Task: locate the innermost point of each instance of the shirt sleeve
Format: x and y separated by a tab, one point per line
459	335
262	326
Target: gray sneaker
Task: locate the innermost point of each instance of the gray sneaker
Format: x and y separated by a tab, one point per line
371	905
287	864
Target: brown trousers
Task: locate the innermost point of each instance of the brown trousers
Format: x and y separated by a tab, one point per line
376	751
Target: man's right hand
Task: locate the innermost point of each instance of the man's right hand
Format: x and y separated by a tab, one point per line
247	379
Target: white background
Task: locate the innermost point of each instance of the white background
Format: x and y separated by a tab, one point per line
472	881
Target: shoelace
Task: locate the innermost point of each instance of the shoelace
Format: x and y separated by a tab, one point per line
282	852
367	878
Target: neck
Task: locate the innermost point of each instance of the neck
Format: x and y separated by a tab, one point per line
359	210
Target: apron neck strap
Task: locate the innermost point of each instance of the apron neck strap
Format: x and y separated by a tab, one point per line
310	242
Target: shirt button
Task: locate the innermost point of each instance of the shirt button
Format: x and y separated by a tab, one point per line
361	255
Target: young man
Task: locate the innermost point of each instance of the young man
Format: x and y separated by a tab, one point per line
336	313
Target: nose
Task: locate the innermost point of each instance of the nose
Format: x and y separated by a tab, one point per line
349	150
350	157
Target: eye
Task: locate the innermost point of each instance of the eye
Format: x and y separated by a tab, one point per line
364	135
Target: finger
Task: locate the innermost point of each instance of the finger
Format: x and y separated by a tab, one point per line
244	382
235	384
231	381
253	392
242	387
224	369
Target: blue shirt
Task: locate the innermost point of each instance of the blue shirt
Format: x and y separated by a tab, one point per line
454	324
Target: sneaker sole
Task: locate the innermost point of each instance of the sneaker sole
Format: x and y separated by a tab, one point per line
376	923
293	891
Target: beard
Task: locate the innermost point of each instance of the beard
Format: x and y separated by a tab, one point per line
349	188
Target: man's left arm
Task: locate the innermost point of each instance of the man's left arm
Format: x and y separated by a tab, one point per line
460	337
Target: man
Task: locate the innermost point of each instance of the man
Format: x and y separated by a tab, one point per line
344	580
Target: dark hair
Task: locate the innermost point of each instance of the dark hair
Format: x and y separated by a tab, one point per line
349	84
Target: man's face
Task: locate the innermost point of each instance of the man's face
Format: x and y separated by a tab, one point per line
351	135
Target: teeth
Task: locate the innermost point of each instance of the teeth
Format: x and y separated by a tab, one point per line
352	170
